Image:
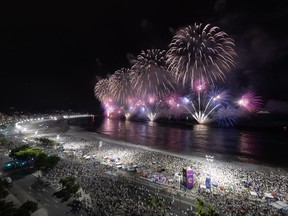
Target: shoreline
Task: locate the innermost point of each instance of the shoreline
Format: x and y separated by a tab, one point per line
235	164
232	149
154	163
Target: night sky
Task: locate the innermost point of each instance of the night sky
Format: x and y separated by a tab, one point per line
52	51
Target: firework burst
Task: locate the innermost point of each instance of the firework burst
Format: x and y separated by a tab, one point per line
174	103
198	57
120	86
101	90
154	109
150	75
226	116
200	51
250	102
203	102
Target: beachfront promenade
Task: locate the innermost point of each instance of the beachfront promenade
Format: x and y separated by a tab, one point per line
94	159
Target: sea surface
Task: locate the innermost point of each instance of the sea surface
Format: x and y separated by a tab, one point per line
258	146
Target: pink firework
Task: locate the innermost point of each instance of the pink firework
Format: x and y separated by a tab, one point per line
250	101
174	103
200	85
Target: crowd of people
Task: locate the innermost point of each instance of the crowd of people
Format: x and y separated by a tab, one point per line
236	189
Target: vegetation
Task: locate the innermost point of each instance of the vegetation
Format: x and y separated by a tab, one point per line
24	152
69	184
69	188
203	209
9	209
3	192
41	160
46	141
155	203
44	161
26	209
3	140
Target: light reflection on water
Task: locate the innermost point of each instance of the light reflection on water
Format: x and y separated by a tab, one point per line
225	143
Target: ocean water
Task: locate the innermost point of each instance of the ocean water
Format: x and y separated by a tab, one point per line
259	146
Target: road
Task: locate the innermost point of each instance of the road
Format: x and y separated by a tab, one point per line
27	186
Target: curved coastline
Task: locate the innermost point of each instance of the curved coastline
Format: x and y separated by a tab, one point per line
194	157
76	139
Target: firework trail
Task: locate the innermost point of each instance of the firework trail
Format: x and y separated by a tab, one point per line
202	103
200	51
154	109
135	106
174	103
150	76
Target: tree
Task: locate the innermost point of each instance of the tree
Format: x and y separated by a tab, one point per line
41	160
155	203
46	141
3	140
152	202
25	151
26	209
69	187
44	161
3	192
14	151
67	181
51	161
203	209
7	208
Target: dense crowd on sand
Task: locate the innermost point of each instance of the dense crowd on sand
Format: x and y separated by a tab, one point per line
230	196
237	189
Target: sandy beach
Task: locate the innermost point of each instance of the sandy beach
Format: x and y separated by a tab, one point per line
229	197
79	132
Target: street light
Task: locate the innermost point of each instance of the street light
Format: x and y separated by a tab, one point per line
210	158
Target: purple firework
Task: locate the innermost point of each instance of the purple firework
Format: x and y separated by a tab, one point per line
204	102
250	102
226	116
